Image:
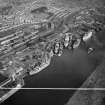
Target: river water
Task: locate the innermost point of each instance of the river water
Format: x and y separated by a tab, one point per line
68	71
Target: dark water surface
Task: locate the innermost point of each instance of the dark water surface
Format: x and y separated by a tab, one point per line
68	71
